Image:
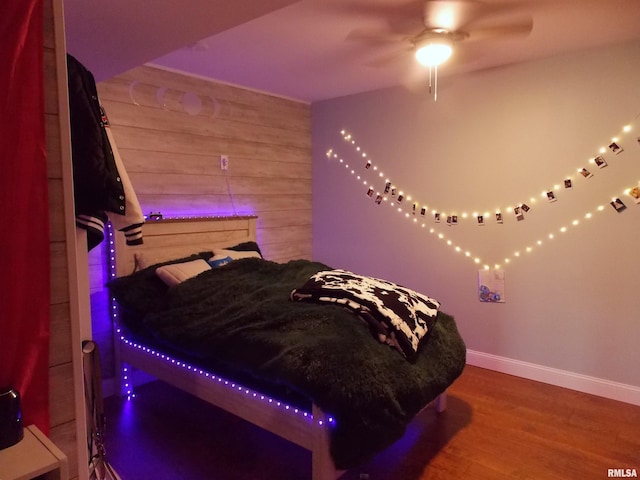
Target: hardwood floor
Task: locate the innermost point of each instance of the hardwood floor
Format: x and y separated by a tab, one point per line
496	426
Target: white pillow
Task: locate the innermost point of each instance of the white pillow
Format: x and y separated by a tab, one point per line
179	272
234	254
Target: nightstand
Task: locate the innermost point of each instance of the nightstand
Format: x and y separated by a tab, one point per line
33	457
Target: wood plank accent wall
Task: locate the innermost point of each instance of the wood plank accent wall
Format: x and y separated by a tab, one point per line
61	379
173	159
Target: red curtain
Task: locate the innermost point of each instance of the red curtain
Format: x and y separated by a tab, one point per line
24	216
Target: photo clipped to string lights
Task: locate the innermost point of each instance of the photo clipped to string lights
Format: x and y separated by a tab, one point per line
420	212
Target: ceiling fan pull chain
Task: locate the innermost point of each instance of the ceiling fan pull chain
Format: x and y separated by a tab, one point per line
433	81
435	88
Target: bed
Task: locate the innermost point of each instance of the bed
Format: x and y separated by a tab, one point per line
310	373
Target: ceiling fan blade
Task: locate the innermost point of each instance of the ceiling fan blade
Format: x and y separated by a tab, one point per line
464	55
374	37
451	15
520	28
400	16
392	58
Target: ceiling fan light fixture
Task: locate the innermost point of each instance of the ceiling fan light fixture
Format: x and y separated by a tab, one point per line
434	52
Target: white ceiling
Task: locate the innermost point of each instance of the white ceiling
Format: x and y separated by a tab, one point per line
308	49
112	36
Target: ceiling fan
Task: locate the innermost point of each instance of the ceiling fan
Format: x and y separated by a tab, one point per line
433	30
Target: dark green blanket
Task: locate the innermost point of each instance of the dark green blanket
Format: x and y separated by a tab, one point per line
239	318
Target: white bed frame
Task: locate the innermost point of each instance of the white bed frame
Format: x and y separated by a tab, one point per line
175	238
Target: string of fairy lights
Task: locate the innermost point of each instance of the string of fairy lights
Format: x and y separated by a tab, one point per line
419	212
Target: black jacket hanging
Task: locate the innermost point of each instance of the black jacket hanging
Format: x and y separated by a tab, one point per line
101	187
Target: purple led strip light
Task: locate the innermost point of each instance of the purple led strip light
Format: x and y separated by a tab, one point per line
227	383
232	385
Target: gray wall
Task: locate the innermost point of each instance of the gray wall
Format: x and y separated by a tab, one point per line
492	140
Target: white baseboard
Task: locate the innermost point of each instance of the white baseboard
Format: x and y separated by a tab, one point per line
553	376
561	378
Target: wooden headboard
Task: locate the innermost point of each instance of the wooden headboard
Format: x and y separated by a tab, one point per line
174	238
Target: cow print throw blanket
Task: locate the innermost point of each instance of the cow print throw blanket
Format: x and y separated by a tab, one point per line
397	316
